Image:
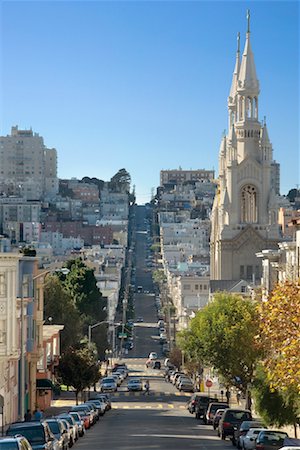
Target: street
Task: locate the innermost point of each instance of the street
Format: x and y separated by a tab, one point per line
157	421
160	420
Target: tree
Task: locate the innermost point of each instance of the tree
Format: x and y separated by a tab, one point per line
223	335
78	368
59	305
292	194
81	284
276	407
120	182
280	336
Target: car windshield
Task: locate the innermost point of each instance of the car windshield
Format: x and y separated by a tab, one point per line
272	436
35	435
9	446
108	380
54	427
237	415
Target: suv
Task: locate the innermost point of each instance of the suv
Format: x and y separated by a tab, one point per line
211	410
37	433
231	419
202	405
14	443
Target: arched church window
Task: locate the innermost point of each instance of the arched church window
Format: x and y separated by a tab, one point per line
255	107
249	204
248	107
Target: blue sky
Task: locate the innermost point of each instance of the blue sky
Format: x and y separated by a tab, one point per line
144	84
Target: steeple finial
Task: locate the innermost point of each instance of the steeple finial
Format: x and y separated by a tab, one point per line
248	20
238	42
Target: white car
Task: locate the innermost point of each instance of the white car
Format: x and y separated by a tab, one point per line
153	355
247	441
108	384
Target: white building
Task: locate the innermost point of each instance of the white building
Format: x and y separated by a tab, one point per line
27	167
244	215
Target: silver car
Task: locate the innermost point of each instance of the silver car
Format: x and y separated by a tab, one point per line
108	384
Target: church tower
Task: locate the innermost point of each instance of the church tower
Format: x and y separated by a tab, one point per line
244	214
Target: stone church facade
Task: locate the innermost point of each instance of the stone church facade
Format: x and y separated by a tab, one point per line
244	214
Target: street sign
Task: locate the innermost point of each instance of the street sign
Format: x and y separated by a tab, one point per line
122	335
208	383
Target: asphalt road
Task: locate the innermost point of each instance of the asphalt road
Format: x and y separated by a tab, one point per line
157	421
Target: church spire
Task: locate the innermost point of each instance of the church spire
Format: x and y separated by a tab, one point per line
236	71
247	81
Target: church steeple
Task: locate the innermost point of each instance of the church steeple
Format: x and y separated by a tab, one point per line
248	83
232	103
236	72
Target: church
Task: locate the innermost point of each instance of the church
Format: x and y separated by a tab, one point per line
244	214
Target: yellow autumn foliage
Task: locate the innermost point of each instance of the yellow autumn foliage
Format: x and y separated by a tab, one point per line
280	335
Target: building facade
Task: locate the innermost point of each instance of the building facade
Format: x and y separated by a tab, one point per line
27	167
244	215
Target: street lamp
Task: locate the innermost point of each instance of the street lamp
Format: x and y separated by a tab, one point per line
114	325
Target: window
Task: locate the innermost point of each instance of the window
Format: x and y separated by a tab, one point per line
186	287
242	272
196	287
249	272
249	204
2	284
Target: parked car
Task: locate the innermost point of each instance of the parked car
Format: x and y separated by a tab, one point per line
14	443
79	421
178	379
57	428
93	410
106	398
202	405
117	378
211	410
242	430
72	423
270	440
248	441
85	413
192	402
232	418
139	319
99	404
217	418
108	384
37	433
186	385
67	432
135	384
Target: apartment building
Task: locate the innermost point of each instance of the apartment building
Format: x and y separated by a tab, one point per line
27	167
179	176
21	319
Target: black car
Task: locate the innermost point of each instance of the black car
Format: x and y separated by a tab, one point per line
202	402
37	433
231	420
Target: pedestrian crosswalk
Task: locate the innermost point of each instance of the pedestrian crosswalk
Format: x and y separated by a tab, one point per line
155	394
121	405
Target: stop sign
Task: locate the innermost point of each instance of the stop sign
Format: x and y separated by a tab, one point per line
208	383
